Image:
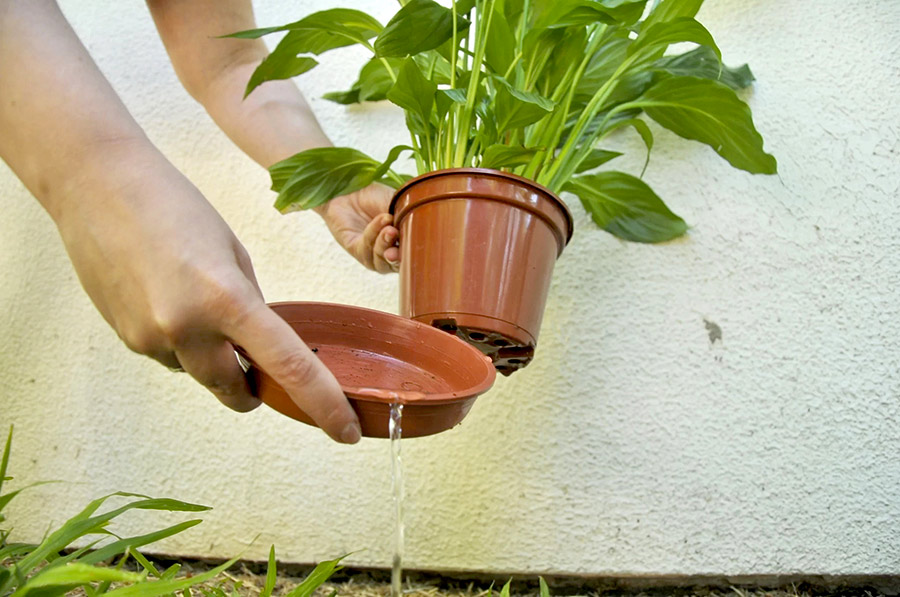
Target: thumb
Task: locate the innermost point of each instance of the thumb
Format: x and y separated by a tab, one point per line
275	347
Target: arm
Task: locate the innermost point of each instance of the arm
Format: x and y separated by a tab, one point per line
183	297
274	122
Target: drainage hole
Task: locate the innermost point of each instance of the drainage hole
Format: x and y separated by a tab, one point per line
500	342
477	336
515	361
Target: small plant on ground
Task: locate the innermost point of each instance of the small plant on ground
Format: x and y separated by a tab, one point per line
85	554
532	87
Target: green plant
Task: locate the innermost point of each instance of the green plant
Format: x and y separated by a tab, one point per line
54	566
533	87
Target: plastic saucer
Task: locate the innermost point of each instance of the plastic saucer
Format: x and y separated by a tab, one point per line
382	359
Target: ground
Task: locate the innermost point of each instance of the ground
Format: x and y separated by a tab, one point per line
249	579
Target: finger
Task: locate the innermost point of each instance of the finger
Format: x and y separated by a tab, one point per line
277	349
212	362
392	256
385	242
168	360
366	250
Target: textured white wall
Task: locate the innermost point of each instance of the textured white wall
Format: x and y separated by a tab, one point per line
632	444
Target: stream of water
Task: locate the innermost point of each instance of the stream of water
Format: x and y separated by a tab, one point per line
395	429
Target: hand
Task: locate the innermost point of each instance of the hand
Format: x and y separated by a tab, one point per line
173	281
360	223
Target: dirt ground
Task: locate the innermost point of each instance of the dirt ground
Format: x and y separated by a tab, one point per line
249	579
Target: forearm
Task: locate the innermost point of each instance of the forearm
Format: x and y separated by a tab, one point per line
271	124
62	123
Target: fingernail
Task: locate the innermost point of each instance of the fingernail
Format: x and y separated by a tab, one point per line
351	433
388	236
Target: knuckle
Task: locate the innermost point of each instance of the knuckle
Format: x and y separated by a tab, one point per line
226	298
297	371
141	341
173	327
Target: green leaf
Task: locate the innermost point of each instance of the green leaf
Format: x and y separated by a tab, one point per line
595	159
583	13
413	92
419	26
322	31
4	460
516	108
505	156
166	587
608	57
372	85
627	12
118	547
643	130
393	154
669	10
500	45
277	66
626	207
709	112
146	564
310	178
703	62
653	40
504	592
319	575
345	98
433	64
74	575
83	524
314	34
171	572
271	575
545	590
569	52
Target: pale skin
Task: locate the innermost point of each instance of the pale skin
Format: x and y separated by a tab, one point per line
183	295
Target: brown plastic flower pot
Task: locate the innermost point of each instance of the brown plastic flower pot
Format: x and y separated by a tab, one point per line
382	359
477	253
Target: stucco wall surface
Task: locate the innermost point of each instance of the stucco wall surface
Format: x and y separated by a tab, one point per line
728	403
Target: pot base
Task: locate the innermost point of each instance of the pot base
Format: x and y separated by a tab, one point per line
509	347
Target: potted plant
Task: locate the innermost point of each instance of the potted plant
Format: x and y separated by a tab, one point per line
508	104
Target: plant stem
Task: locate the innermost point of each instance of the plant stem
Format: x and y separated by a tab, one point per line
480	45
557	131
453	111
549	177
383	60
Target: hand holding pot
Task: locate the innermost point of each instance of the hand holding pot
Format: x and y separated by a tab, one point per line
360	223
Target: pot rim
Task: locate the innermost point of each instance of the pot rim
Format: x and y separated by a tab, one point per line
567	213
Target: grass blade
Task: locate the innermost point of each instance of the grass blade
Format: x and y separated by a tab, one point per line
271	575
117	547
4	461
319	575
165	587
66	578
504	592
144	562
